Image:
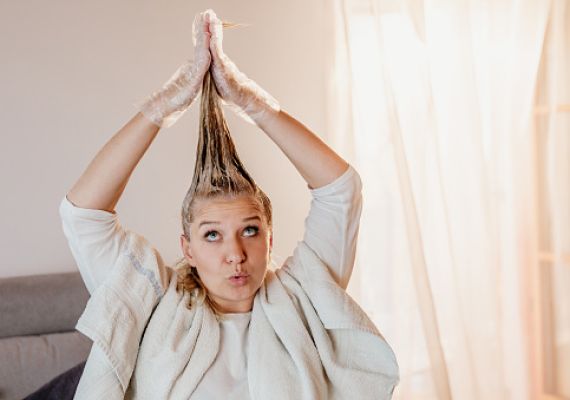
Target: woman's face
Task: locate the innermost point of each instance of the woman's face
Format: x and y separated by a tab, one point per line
229	237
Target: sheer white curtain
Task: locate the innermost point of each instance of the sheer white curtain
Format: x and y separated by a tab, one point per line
432	101
553	151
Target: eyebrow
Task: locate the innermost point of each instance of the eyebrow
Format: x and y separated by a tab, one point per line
255	217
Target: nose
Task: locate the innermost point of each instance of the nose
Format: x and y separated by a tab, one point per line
235	252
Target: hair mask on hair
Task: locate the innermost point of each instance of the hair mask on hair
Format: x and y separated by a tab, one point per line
219	175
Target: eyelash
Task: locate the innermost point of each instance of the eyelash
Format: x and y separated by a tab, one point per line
255	228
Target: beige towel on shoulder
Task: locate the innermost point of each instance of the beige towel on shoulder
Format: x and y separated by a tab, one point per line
308	338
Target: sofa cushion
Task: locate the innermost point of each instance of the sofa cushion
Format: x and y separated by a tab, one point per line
62	387
38	304
28	362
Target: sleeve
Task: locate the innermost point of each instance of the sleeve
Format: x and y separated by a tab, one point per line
98	380
331	227
96	239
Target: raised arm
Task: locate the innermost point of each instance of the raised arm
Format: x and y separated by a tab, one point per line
92	227
106	177
104	180
331	228
317	163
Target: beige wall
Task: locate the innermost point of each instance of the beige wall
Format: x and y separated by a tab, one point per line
71	73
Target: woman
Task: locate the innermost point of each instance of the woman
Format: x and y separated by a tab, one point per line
221	324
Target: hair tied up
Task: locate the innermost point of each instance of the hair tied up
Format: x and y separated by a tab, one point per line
218	172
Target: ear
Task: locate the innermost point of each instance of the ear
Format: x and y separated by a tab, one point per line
271	241
185	246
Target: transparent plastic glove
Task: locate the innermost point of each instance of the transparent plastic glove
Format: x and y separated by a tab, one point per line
249	100
166	105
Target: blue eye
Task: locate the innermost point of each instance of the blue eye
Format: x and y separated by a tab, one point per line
252	230
211	236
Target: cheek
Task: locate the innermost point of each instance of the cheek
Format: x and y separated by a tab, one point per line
259	250
207	259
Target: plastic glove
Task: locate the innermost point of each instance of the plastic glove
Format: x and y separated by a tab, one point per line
251	102
166	105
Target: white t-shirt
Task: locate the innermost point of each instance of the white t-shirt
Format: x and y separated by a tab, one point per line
227	377
96	238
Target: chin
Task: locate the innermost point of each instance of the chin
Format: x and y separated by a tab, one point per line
242	293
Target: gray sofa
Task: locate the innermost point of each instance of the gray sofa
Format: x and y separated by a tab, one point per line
38	340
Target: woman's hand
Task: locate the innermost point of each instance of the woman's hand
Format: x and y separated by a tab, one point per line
201	39
166	105
234	86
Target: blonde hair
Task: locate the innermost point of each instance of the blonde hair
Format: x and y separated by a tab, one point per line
218	173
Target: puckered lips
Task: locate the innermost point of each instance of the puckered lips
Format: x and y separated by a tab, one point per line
239	279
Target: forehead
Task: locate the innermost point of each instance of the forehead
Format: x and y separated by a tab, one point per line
223	208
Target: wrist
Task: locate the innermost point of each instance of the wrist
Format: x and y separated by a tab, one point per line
265	116
261	107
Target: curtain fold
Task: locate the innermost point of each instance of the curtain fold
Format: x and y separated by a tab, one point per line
553	138
432	102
